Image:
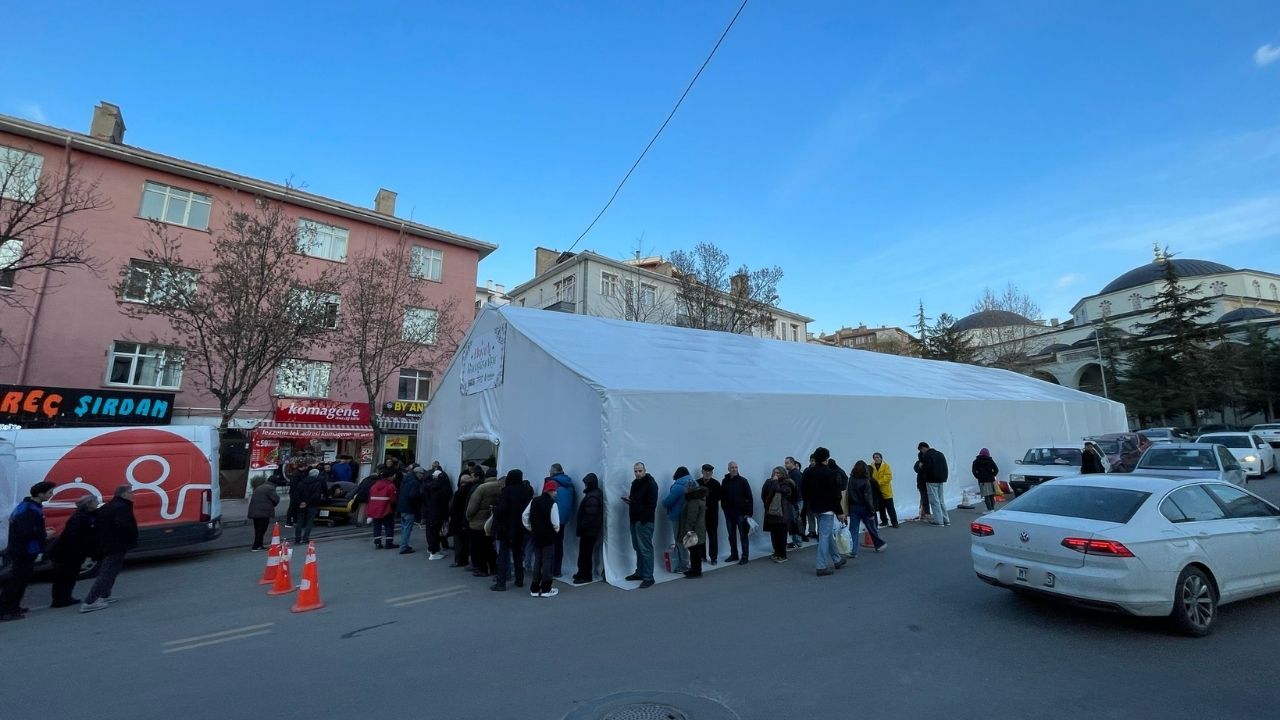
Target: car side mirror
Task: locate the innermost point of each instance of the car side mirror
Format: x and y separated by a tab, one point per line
1017	462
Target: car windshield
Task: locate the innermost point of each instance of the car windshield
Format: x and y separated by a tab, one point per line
1081	501
1179	459
1110	447
1157	433
1271	426
1231	441
1052	456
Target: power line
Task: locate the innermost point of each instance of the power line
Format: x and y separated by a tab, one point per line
670	115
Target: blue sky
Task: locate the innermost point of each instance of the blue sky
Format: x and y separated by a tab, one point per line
879	152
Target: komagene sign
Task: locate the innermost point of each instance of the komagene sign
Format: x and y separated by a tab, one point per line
47	406
324	412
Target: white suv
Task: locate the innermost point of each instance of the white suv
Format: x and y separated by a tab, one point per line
1045	463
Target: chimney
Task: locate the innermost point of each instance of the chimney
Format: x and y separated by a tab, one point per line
544	260
488	284
500	289
108	123
1053	322
385	202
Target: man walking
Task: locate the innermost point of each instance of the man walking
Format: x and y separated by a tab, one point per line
117	535
739	504
934	466
821	489
27	536
78	540
715	493
642	506
565	492
542	520
312	491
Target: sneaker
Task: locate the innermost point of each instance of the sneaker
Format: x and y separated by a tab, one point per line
883	524
782	560
633	577
894	525
377	544
406	550
883	545
732	558
256	549
841	563
534	593
436	556
691	574
825	572
90	607
550	593
288	525
580	581
646	584
110	600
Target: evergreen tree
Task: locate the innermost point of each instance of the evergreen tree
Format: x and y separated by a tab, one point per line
944	342
921	340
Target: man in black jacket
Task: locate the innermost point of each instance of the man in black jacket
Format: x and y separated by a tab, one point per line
408	502
78	540
117	535
739	504
27	536
934	468
312	492
589	526
508	528
715	493
458	528
435	506
542	519
642	505
821	490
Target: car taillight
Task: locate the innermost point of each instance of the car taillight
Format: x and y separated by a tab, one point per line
981	530
1110	548
206	506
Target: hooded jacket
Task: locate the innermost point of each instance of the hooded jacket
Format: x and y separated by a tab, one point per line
738	499
820	487
409	497
935	466
437	491
882	474
312	489
694	517
674	501
78	539
591	509
985	469
515	497
117	527
644	499
565	492
482	501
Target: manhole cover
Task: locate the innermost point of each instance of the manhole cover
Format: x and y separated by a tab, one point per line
645	711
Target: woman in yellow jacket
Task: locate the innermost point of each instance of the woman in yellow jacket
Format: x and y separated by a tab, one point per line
882	476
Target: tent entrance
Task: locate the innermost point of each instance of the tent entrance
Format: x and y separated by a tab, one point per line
480	450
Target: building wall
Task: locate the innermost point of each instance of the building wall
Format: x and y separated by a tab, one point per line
79	316
1242	288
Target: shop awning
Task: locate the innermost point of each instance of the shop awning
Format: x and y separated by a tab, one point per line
313	431
391	423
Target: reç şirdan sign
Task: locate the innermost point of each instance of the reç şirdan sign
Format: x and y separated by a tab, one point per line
45	406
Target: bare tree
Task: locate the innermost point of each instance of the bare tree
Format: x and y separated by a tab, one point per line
1006	344
238	317
633	294
709	297
388	323
35	204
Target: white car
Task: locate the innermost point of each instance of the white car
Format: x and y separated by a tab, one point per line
1137	543
1044	463
1255	455
1269	432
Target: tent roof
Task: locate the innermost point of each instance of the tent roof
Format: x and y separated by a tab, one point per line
642	357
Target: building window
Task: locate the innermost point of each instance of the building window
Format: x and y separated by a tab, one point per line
175	206
1105	307
420	325
321	240
1218	287
795	333
609	285
19	174
11	254
324	306
565	289
426	263
146	366
1135	300
302	378
648	295
414	385
146	282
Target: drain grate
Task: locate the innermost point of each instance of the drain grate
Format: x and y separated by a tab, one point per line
645	711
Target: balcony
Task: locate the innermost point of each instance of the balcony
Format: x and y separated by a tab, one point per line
564	306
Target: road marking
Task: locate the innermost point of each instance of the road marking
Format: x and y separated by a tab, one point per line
200	641
405	600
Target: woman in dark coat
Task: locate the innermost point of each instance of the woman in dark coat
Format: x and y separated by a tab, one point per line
590	526
779	494
77	542
985	471
262	508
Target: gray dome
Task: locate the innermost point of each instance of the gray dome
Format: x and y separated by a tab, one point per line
1151	272
990	319
1248	313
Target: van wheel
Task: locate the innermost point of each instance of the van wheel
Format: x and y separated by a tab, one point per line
1195	603
89	569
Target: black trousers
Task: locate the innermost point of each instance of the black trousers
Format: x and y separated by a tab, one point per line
924	498
888	513
462	538
586	557
697	554
259	531
65	573
291	515
111	566
433	535
483	558
778	536
24	567
557	568
736	525
713	535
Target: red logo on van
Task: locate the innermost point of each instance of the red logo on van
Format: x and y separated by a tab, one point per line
169	475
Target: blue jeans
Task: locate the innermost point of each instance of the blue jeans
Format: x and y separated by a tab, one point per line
642	541
680	562
826	541
406	528
862	517
937	507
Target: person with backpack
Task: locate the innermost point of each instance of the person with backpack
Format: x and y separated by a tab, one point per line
984	471
508	529
382	510
408	499
590	526
542	519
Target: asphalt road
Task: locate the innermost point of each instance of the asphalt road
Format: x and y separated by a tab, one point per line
906	633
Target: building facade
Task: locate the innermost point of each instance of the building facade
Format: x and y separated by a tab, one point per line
70	329
892	340
640	290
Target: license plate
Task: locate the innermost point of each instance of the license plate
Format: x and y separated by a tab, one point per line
1049	579
324	513
1022	574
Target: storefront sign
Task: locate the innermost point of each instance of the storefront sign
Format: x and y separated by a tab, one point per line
44	406
404	408
325	412
366	453
483	358
396	442
264	454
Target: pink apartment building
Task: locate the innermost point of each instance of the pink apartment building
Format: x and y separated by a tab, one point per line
73	334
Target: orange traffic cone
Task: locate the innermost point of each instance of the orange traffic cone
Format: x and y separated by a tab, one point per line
309	593
273	558
283	584
866	540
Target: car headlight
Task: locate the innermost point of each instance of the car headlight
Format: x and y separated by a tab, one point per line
1251	458
1015	478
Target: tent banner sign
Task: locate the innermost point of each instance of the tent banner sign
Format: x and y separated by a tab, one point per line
482	361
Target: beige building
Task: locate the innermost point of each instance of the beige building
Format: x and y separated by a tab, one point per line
893	340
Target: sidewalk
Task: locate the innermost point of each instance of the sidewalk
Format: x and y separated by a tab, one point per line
237	531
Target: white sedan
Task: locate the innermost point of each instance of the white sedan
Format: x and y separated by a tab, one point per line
1256	455
1141	544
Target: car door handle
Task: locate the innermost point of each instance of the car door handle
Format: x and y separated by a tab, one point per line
1179	543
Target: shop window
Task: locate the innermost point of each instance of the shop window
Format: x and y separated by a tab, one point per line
302	378
414	385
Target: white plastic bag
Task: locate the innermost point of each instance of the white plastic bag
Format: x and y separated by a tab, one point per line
843	540
752	525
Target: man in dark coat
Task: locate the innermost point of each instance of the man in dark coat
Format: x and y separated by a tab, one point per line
435	509
78	540
117	534
508	529
820	487
312	492
542	519
467	484
590	525
934	469
1092	460
27	536
408	503
739	504
642	506
715	493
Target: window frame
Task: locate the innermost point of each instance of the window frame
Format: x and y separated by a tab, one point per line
138	355
170	192
9	274
404	324
434	259
143	266
567	288
332	319
1199	487
307	225
11	168
419	378
610	284
310	366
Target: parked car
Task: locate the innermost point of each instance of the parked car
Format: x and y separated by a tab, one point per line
1138	543
1214	428
1196	460
1255	455
1122	449
1165	434
1269	432
1044	463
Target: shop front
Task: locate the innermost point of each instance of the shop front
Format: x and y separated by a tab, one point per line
304	432
398	422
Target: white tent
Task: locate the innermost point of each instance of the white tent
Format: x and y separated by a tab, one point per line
598	395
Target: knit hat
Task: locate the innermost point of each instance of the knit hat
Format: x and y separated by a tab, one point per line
984	452
550	486
515	476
